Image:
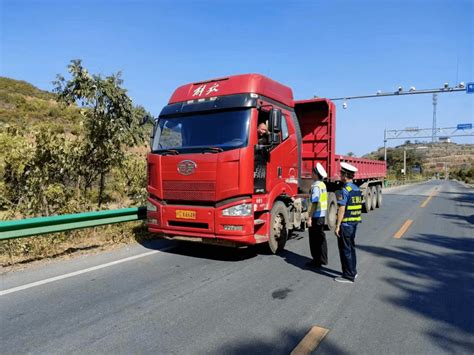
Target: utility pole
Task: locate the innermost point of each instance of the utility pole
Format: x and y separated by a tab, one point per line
435	103
404	162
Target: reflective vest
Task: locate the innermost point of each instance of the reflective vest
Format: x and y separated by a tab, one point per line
353	210
322	204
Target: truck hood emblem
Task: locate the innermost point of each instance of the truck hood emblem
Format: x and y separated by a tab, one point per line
186	167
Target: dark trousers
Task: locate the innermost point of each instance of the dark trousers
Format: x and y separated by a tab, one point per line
317	241
347	252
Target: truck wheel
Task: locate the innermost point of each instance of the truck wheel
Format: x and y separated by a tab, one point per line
278	227
374	197
331	216
379	196
368	199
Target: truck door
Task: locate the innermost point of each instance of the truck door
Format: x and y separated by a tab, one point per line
283	164
277	163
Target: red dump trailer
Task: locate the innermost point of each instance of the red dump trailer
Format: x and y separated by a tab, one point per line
209	179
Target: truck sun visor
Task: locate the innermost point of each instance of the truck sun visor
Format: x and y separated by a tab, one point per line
213	103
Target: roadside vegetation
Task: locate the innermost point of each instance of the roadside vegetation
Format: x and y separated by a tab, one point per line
79	148
428	160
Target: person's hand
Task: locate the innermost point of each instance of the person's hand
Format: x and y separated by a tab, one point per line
336	231
308	222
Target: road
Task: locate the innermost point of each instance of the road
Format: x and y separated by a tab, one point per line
414	293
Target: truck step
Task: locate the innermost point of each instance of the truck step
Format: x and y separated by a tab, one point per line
259	221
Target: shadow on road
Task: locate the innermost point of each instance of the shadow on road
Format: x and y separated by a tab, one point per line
300	262
202	251
287	342
465	198
469	219
213	252
445	290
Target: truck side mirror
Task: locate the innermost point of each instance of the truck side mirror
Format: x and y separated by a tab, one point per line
275	120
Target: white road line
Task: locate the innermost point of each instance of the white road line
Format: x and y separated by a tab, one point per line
75	273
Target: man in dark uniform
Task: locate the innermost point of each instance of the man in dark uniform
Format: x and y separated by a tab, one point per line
349	200
317	213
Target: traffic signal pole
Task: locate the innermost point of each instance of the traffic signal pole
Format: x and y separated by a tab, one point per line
398	134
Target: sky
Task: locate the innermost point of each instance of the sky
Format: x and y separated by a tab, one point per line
333	48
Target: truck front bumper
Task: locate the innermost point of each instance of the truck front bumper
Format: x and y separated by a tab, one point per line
200	223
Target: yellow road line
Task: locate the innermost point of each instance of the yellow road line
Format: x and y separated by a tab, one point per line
403	229
310	341
432	194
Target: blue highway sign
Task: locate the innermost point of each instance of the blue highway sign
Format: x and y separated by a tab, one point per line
464	126
470	88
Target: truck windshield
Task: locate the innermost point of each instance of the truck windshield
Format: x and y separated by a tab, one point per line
208	132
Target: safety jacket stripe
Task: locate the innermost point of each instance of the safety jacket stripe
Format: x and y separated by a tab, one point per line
352	219
354	207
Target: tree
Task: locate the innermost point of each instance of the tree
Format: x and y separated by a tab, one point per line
395	160
110	121
350	154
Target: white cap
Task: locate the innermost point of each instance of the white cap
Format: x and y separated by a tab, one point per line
348	168
320	171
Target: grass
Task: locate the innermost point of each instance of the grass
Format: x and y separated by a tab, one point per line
60	245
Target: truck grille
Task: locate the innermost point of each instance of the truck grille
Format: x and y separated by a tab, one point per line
189	190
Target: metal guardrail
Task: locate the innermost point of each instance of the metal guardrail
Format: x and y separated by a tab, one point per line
53	224
391	183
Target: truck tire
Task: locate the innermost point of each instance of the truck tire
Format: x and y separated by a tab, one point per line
331	216
374	197
368	200
278	227
379	196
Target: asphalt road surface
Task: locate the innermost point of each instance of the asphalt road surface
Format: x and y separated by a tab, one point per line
414	293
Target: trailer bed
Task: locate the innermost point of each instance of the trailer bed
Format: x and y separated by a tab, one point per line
367	169
316	118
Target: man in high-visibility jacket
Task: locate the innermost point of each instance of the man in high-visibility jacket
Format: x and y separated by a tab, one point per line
317	214
349	200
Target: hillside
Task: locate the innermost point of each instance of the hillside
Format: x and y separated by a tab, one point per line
24	106
431	157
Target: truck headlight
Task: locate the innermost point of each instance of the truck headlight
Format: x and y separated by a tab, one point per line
242	210
150	207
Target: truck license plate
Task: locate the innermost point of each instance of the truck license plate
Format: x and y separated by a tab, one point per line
184	214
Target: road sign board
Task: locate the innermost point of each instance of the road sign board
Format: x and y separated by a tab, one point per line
464	126
470	88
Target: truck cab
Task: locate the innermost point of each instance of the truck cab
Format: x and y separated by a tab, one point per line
209	179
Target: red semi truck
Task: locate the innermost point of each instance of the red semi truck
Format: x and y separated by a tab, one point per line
210	181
